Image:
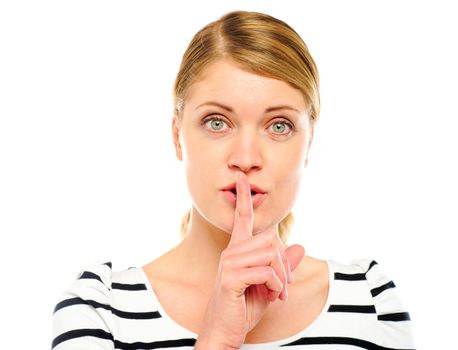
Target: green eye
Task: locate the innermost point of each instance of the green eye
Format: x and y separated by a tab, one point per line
216	124
279	127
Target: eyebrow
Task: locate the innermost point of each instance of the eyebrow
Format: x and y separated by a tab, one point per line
229	109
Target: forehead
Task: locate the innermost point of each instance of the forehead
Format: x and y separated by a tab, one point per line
227	82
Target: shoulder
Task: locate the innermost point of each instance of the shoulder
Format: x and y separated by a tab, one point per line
365	278
383	291
87	310
83	311
362	287
93	281
92	286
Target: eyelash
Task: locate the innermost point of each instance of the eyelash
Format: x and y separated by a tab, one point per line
290	125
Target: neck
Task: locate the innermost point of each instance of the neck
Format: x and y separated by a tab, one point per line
197	256
200	250
201	232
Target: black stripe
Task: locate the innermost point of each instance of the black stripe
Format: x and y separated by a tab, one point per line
378	290
131	287
90	275
155	345
119	313
108	264
364	344
371	265
78	333
395	317
361	309
79	301
338	276
100	333
136	315
349	277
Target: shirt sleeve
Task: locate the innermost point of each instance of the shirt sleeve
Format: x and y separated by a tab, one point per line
394	324
82	318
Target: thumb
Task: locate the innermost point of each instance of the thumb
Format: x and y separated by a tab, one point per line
294	254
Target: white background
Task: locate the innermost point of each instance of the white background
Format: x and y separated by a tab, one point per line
88	171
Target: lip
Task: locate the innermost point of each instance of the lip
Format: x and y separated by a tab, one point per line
256	199
252	188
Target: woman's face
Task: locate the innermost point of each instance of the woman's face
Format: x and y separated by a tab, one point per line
236	120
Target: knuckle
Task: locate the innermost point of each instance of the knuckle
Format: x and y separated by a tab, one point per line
227	253
267	238
272	234
226	264
268	272
272	252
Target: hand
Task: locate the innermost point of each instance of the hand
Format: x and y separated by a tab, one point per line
253	272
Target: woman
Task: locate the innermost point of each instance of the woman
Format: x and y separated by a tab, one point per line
246	103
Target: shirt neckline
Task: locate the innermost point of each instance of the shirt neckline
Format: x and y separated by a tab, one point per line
274	343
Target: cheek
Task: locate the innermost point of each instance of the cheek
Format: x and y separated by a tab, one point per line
287	172
200	162
191	145
289	181
288	164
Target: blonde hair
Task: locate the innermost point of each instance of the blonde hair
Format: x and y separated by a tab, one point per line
260	43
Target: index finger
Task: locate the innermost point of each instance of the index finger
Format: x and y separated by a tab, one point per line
243	215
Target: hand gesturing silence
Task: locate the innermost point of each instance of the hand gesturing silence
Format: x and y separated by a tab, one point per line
253	272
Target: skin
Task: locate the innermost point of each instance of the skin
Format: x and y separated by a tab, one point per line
272	161
237	270
253	272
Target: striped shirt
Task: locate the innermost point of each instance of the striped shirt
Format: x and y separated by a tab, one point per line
106	309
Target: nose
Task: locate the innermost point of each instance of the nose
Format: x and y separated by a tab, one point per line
245	153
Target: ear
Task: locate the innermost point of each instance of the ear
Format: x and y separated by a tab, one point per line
176	137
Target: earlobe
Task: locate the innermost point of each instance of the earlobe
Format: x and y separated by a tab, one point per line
176	138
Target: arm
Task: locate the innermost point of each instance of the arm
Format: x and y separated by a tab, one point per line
392	318
82	318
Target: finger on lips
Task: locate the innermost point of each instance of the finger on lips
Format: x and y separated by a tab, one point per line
250	252
243	216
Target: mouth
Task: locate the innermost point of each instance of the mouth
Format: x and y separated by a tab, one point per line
254	189
258	195
234	191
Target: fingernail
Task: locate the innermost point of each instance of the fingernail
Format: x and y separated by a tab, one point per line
236	176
